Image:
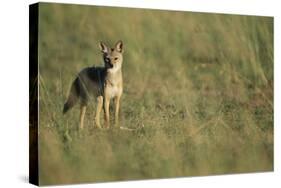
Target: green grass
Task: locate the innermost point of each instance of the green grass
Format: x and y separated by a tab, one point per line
201	84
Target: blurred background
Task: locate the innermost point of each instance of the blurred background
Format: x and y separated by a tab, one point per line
200	84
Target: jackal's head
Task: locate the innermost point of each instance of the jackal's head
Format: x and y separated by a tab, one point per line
112	57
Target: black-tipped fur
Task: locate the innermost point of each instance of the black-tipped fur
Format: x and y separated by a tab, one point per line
73	96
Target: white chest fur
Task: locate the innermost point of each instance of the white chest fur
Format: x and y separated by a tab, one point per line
112	90
113	83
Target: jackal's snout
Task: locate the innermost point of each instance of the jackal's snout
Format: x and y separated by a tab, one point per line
108	62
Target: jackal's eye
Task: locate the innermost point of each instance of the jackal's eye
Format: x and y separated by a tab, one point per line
115	58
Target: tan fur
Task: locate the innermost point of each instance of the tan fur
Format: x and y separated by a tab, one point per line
104	83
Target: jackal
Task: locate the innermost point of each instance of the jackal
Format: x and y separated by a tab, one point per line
102	83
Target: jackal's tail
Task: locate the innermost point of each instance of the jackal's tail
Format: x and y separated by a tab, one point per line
72	97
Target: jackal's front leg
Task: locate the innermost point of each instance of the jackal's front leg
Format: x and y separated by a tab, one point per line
117	107
106	111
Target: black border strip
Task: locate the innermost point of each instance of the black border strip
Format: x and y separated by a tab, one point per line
33	93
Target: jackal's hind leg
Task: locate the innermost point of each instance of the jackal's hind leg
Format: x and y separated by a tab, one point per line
82	115
98	110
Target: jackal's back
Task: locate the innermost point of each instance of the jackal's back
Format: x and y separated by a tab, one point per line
89	83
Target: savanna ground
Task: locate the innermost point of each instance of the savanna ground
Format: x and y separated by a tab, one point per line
200	84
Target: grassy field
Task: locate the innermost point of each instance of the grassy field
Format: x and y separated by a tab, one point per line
200	84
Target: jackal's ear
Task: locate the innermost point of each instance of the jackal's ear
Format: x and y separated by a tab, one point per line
103	47
119	46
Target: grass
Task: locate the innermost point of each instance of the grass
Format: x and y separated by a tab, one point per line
201	84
